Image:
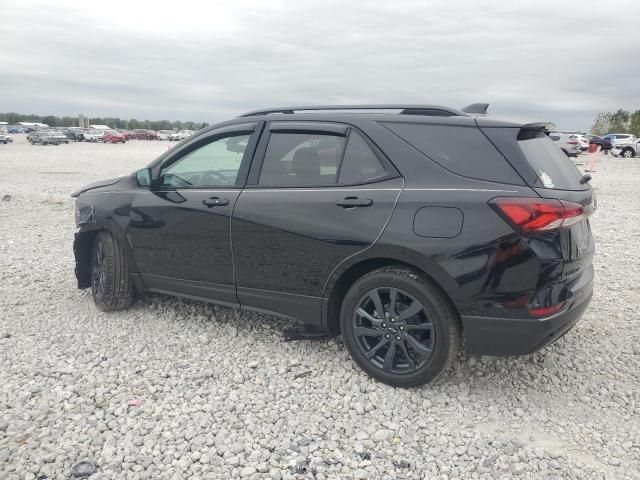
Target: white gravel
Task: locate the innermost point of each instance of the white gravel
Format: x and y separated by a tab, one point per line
176	389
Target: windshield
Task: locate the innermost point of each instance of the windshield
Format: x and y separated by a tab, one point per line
554	169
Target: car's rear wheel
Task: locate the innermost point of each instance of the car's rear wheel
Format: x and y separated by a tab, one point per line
399	327
627	153
111	285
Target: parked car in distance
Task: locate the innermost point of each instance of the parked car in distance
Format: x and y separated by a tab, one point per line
185	134
74	133
62	138
175	136
620	138
164	134
152	135
626	150
374	226
603	143
113	136
582	138
141	134
93	136
5	137
43	137
128	134
567	143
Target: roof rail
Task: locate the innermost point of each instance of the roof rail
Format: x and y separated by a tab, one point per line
428	110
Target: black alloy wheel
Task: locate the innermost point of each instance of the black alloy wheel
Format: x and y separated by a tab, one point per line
399	326
393	330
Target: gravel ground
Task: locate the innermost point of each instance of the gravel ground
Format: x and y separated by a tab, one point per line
177	389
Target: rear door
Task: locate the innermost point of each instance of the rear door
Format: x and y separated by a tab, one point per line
317	193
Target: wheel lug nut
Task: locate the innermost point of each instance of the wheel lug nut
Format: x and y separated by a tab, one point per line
401	328
393	320
398	337
384	325
387	336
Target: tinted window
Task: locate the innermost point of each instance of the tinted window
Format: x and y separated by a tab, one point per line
461	150
215	164
301	159
552	166
360	164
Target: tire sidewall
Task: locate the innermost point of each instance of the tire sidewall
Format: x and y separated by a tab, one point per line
412	286
108	288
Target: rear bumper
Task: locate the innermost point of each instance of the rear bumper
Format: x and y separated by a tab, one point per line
503	336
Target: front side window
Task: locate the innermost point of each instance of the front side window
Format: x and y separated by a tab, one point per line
301	160
215	164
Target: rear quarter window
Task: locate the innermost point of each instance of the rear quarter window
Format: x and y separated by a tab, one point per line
462	150
554	169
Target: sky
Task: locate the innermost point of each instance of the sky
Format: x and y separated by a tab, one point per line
559	61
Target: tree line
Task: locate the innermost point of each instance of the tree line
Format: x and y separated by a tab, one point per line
114	122
621	121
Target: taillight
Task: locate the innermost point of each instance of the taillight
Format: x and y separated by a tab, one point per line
572	142
531	215
545	311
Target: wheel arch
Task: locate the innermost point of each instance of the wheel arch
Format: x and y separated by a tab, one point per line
338	285
83	243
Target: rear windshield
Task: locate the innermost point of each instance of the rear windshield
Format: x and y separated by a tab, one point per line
554	169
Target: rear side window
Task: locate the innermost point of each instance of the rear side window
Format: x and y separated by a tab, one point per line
301	160
360	164
461	150
554	169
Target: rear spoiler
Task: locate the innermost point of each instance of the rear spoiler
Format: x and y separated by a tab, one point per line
546	126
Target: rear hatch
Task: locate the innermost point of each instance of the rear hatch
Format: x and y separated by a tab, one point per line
555	178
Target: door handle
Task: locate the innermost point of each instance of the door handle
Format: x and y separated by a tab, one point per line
215	202
353	202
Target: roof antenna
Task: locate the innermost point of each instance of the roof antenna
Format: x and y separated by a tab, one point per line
476	108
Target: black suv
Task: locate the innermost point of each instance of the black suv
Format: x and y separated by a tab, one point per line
401	227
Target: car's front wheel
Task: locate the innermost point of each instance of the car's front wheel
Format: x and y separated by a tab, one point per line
399	327
111	285
627	153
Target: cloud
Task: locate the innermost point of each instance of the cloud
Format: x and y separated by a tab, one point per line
558	61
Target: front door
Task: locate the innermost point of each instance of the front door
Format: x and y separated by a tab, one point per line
320	195
180	228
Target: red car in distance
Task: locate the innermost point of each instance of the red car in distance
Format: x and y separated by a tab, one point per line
113	136
128	134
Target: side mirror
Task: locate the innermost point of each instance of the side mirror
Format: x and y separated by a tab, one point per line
144	177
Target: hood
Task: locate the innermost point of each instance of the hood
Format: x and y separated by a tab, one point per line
98	184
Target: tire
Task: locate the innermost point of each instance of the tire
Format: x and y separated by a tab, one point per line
111	285
565	152
435	328
627	153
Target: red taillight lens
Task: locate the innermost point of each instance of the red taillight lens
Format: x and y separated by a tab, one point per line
545	311
530	215
572	142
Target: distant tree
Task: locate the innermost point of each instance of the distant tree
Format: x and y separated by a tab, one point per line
634	123
619	121
601	123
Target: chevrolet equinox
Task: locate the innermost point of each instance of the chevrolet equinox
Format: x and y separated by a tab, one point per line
404	228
